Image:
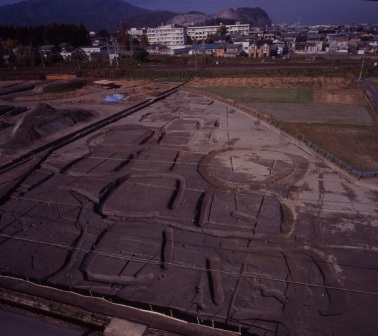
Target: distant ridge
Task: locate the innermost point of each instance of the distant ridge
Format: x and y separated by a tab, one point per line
94	14
107	14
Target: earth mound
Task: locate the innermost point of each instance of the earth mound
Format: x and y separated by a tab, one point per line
45	120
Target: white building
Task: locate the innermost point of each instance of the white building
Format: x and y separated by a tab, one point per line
202	32
169	35
238	27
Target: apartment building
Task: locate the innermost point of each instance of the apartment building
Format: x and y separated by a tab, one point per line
169	35
202	32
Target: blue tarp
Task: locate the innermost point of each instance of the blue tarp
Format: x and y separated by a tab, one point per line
114	97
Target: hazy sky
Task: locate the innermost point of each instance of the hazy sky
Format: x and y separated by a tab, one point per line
307	11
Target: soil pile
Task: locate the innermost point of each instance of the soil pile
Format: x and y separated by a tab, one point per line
45	120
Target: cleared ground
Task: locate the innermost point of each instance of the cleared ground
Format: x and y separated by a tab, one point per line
333	113
192	208
61	113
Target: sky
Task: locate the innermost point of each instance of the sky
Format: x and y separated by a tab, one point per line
307	12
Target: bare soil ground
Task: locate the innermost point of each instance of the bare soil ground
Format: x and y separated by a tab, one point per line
338	118
66	111
138	89
195	207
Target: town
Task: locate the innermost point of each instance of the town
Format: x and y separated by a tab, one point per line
228	41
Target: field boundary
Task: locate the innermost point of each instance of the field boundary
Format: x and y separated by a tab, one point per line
278	125
95	309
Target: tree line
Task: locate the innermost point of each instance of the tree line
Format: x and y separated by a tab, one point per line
12	37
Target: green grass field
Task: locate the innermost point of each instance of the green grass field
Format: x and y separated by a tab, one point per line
316	113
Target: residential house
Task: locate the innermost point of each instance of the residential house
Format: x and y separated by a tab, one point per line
65	50
236	37
221	39
337	43
250	38
220	51
269	36
301	43
354	40
255	33
290	43
245	45
96	52
374	44
260	49
234	50
279	48
206	49
313	46
47	50
314	43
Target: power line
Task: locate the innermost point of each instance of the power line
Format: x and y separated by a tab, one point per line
254	194
191	267
183	163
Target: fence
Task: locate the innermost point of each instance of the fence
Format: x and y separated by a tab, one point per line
208	324
343	165
351	170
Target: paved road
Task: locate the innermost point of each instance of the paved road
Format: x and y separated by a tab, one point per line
18	325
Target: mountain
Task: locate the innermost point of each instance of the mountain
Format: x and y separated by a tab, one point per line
254	16
107	14
191	18
94	14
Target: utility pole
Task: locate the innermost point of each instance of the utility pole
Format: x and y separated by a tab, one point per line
43	62
362	66
195	53
110	60
77	59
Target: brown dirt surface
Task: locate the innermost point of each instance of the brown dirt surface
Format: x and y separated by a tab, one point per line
345	97
4	84
195	209
318	82
70	110
139	89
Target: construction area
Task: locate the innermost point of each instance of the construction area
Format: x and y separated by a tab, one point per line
184	212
